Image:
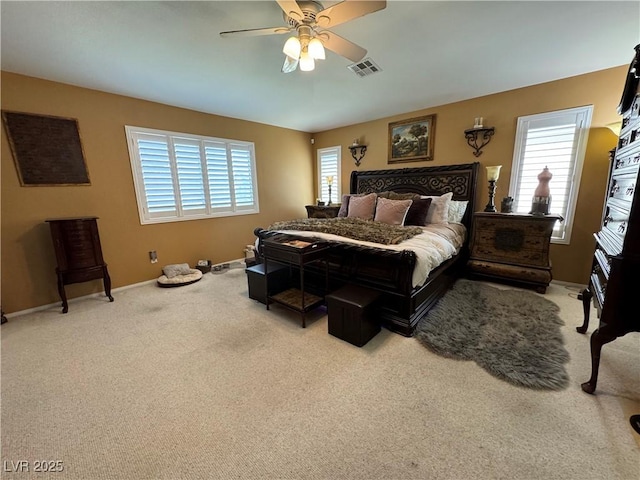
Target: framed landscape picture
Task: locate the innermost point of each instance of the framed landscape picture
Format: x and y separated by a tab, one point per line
412	140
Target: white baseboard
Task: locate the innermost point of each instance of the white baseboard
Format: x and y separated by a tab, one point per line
101	294
580	286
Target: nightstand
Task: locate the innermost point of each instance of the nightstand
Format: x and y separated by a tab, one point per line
324	211
512	248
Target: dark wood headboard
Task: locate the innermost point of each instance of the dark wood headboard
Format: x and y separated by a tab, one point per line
460	179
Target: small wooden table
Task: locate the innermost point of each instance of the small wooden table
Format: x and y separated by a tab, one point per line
295	253
512	248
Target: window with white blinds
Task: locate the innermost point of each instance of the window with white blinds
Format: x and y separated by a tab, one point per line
180	176
329	166
556	140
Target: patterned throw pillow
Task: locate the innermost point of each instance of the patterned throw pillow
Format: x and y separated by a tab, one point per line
403	196
392	212
457	208
362	207
439	209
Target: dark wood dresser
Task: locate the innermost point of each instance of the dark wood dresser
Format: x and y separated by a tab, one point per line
77	245
512	248
615	275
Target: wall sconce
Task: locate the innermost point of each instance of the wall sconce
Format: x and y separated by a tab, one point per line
493	173
357	151
478	136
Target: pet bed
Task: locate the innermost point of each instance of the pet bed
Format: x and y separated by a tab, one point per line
178	276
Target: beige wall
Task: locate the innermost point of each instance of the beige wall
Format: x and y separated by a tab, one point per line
285	169
285	165
601	89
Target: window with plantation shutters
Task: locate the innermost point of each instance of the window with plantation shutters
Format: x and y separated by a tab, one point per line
179	176
329	167
556	140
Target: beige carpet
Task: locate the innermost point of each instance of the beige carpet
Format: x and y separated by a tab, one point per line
202	382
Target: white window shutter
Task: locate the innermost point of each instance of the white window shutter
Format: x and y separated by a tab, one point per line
218	174
179	176
156	173
190	175
556	140
329	165
243	187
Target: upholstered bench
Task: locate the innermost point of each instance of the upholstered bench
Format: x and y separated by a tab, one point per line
352	315
257	280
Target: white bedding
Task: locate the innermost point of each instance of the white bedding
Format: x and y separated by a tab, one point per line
437	244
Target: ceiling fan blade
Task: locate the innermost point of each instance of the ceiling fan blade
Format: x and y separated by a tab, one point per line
254	32
345	11
290	64
342	46
291	8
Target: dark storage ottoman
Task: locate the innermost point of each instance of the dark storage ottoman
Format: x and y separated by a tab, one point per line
352	314
257	279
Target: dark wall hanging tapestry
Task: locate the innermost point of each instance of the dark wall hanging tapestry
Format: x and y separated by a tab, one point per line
46	150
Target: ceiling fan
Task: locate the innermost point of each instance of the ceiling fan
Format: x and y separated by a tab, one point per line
308	20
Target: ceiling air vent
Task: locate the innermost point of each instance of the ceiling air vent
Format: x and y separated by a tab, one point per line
364	67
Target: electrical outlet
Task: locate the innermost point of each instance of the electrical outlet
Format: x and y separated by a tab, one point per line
153	256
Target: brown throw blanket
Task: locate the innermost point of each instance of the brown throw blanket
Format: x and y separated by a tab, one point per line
355	228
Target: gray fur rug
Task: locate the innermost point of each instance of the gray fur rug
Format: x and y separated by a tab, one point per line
513	334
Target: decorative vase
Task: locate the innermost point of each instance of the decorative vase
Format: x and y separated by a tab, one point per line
506	206
542	194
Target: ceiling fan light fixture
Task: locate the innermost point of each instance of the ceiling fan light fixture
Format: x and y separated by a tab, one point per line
316	49
292	47
307	63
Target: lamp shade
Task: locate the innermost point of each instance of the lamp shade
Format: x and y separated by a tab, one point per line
306	62
493	173
329	179
292	47
316	49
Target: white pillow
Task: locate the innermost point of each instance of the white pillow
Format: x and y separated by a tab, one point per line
456	210
439	208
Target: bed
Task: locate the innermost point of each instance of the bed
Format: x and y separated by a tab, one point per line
391	271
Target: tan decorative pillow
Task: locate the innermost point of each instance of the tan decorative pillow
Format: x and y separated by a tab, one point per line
439	208
392	212
362	207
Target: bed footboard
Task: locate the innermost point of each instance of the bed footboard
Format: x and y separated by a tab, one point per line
388	272
391	272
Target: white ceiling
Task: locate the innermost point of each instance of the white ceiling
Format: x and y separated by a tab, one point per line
431	53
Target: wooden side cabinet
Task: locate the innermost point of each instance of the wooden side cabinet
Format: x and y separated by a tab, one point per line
77	245
322	211
512	248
